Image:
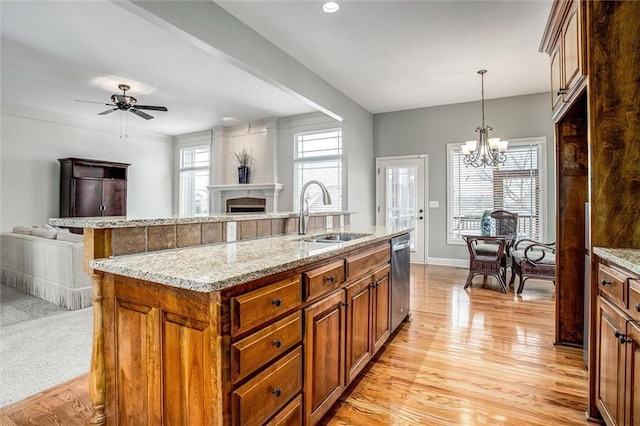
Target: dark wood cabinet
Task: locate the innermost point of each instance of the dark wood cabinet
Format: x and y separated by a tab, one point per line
358	345
90	188
618	346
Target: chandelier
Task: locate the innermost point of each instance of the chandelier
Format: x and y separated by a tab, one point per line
485	151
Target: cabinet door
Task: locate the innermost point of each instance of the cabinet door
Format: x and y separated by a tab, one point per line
633	374
87	199
610	363
571	51
359	325
114	197
556	79
381	317
324	355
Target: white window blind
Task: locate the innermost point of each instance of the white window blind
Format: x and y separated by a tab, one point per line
194	178
515	186
318	156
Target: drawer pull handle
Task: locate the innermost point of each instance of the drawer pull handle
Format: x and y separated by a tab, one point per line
277	343
276	302
331	278
604	282
277	391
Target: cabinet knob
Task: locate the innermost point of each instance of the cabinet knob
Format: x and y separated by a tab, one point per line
276	302
346	305
277	343
277	391
605	282
622	337
638	307
562	91
331	278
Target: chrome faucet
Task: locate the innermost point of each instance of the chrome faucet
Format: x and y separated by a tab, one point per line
304	213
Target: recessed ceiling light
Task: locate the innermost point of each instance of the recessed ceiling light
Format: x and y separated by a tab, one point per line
330	7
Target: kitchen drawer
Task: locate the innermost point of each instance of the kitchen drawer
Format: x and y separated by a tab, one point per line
366	261
634	299
261	347
324	279
259	306
261	397
291	415
612	283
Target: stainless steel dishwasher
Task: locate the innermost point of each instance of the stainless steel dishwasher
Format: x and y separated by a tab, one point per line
400	288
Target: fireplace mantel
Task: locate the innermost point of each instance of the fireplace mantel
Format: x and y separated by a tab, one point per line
221	193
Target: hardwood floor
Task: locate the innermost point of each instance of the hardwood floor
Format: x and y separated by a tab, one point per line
469	357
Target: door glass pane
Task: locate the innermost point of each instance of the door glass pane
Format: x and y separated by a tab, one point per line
402	198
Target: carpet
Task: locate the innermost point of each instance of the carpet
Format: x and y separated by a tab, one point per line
42	351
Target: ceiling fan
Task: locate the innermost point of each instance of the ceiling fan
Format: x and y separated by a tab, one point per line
127	103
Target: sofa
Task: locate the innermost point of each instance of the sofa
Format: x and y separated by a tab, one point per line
46	267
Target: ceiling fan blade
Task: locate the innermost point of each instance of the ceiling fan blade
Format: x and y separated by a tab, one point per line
151	107
109	111
92	102
141	114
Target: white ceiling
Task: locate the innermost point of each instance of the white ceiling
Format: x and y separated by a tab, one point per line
385	55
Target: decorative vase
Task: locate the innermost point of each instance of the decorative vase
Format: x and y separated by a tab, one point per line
244	174
485	224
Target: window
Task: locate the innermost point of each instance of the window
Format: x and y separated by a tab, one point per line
318	156
194	178
515	186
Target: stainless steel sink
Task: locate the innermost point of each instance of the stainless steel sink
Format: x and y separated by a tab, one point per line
334	238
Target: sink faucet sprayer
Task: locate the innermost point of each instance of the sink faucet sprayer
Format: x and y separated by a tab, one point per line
304	213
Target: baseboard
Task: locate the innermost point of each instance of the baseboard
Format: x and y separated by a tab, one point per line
443	261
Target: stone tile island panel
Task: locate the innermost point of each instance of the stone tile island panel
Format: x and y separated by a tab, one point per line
130	236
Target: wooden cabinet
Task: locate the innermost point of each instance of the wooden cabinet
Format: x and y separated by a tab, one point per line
359	324
324	355
256	353
617	348
368	319
381	312
90	188
564	41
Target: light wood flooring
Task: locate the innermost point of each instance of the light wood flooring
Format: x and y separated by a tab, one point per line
468	357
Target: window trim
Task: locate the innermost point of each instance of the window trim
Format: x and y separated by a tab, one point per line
542	195
206	168
317	159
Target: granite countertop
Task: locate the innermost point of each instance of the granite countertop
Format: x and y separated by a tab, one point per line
627	258
215	267
104	222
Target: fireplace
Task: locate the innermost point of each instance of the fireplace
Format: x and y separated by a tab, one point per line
267	193
246	205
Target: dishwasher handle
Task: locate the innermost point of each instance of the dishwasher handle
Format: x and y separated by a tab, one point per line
401	246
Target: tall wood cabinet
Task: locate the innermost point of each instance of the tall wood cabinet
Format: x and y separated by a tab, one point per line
597	124
90	188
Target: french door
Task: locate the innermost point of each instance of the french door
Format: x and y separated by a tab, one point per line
401	191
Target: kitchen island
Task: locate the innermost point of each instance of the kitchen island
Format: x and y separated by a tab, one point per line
263	331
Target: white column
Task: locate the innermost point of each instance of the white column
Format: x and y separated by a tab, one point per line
271	160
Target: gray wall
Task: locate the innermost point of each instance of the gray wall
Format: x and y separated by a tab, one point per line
428	130
229	38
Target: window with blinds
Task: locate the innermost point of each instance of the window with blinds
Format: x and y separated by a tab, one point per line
194	178
318	156
515	186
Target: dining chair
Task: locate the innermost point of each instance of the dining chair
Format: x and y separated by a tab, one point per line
490	262
506	225
533	259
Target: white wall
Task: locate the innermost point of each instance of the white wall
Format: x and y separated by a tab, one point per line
428	130
33	140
